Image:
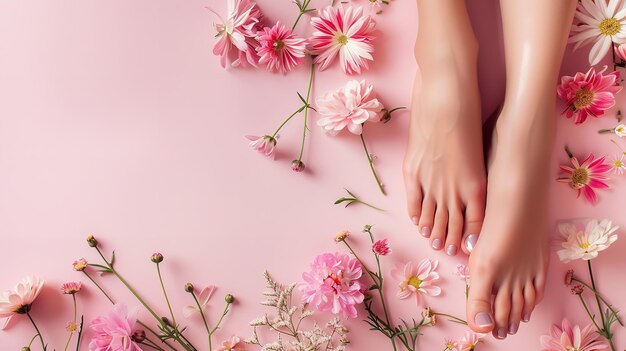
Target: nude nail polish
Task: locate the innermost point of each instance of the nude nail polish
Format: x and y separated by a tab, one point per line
451	250
425	232
437	244
483	319
526	317
470	242
501	333
415	220
513	328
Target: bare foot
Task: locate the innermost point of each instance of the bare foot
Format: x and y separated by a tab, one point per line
444	170
509	263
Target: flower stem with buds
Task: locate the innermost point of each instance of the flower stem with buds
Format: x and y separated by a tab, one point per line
167	300
206	325
370	160
43	344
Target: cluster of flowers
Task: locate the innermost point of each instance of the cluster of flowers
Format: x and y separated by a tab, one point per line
593	93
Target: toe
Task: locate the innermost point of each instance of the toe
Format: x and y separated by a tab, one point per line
529	301
517	309
474	215
414	200
427	217
502	310
455	228
438	237
478	309
540	285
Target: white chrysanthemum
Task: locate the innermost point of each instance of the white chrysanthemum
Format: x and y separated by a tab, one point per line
587	243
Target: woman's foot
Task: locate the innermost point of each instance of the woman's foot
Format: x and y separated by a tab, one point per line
444	170
508	265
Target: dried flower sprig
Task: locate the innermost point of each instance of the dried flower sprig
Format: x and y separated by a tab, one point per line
354	199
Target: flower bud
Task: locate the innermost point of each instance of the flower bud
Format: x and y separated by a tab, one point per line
80	264
166	321
578	289
25	348
138	336
367	228
297	166
156	257
342	236
188	287
386	117
92	241
568	277
229	298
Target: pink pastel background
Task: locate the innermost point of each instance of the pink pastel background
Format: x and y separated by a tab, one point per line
117	120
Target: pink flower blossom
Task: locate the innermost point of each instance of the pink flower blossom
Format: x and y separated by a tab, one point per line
589	93
381	247
203	300
620	51
452	345
236	35
469	341
279	49
232	344
333	284
417	280
20	299
568	337
343	32
114	331
462	271
80	264
71	288
349	106
587	176
263	144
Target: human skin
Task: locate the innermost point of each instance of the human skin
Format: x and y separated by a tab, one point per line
509	261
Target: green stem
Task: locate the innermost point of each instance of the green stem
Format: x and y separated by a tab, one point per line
219	321
32	339
306	110
285	122
43	345
99	287
371	163
167	300
369	205
590	315
206	325
67	344
608	305
303	10
593	284
382	296
457	319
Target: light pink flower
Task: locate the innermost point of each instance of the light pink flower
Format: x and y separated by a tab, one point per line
80	264
232	344
469	341
587	176
20	299
462	271
381	247
417	280
263	144
114	331
344	32
618	164
620	51
588	94
279	49
203	300
451	345
71	288
333	284
236	35
349	106
568	337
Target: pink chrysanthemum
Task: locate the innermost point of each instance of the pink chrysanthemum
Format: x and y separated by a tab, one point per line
333	284
20	299
344	32
263	144
236	35
469	341
71	288
279	49
568	337
589	93
349	106
234	343
587	176
381	247
417	280
114	331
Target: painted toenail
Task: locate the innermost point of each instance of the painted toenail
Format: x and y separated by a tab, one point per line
425	232
437	244
526	317
513	328
483	319
451	250
501	333
415	220
470	242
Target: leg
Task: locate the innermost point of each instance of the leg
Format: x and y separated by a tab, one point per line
444	168
511	257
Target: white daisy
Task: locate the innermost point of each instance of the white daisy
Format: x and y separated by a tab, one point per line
620	130
618	164
585	243
599	23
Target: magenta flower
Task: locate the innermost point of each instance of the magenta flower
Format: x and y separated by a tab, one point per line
333	284
587	94
263	144
417	280
381	247
236	35
232	344
20	299
343	32
71	288
114	331
587	176
349	106
568	337
279	49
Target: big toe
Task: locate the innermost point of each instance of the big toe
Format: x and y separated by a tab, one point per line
479	310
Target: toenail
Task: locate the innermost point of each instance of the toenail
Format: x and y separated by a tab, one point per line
470	242
501	333
526	317
425	232
483	319
415	220
451	250
513	328
437	244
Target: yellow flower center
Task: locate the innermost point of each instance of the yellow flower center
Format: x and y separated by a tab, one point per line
620	129
580	177
584	98
584	245
610	26
72	327
342	39
415	282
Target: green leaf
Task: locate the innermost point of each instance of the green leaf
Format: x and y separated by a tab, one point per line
351	194
112	258
302	99
374	287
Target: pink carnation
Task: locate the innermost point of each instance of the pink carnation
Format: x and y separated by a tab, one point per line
350	106
279	49
114	331
568	337
333	284
381	247
589	93
236	35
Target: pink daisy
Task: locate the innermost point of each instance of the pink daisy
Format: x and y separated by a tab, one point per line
71	288
381	247
20	299
589	93
114	331
587	176
568	337
620	52
263	144
333	284
232	344
346	32
279	49
236	35
451	345
417	280
469	341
